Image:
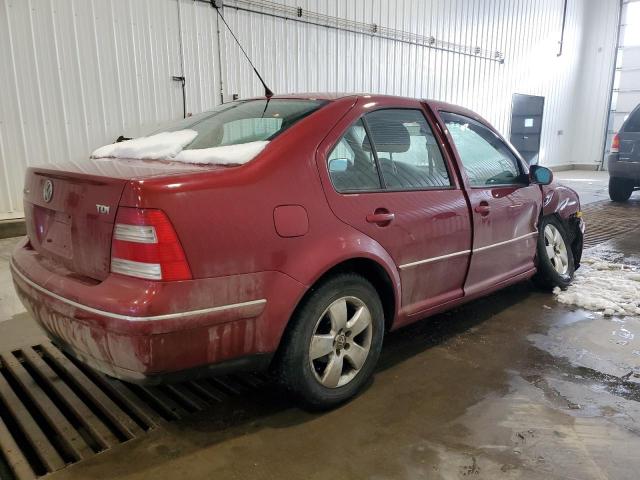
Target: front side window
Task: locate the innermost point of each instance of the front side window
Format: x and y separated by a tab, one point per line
408	153
352	166
486	159
244	121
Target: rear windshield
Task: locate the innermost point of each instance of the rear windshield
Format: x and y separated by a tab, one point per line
244	121
633	122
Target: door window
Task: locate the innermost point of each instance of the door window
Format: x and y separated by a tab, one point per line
408	153
352	165
486	159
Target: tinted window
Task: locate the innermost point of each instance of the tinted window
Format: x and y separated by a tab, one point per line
352	166
633	122
485	158
244	121
407	150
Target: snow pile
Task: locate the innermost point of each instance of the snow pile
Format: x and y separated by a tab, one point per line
605	287
170	146
161	146
225	155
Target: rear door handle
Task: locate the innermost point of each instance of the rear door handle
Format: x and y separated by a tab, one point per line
483	208
381	217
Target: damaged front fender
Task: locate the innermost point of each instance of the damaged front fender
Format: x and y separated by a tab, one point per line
564	203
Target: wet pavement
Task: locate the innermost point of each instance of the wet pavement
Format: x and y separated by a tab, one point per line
9	302
592	186
514	385
511	386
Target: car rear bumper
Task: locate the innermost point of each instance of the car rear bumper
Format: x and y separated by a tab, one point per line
145	331
621	168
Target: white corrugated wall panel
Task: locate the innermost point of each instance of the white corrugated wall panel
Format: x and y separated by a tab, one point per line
200	46
629	94
75	74
593	88
297	57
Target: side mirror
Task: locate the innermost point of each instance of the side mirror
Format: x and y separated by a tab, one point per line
338	165
540	175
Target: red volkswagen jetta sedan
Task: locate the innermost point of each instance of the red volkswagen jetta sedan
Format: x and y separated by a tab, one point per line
319	223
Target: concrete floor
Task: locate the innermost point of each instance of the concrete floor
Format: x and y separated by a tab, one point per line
592	186
511	386
9	303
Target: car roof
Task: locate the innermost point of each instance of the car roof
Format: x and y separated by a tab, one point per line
332	96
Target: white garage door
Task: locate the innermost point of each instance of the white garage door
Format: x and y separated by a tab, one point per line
626	93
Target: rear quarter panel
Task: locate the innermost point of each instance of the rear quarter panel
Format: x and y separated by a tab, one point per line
225	218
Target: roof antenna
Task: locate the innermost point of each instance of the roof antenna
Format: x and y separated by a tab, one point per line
218	5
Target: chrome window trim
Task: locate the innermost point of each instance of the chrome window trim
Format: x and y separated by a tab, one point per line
132	318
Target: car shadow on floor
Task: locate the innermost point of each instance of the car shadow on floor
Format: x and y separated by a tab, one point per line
268	408
398	347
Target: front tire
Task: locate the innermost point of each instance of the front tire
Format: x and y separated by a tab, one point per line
620	189
333	344
556	265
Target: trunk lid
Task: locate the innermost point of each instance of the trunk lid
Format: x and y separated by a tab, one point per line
70	209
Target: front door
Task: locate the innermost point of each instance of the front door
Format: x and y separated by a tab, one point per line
385	175
504	205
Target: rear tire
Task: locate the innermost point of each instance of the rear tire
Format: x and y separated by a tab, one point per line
556	265
620	189
333	344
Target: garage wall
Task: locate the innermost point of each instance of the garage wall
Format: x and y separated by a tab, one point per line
75	74
312	58
593	88
626	92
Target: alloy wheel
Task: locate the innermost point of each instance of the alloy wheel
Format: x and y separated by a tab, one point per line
341	342
556	249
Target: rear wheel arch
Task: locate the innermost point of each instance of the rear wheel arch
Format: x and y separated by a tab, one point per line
371	270
376	274
321	361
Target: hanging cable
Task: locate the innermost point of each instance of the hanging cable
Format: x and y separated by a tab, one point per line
267	91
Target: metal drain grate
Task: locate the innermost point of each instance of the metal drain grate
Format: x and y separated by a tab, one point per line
606	220
55	411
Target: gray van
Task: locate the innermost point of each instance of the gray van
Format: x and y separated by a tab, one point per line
624	160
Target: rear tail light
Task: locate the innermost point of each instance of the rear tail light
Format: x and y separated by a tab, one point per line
145	245
615	144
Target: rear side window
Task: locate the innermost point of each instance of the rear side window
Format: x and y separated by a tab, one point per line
244	121
352	166
632	124
408	153
486	159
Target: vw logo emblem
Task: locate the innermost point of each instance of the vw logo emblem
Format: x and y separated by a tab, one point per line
47	191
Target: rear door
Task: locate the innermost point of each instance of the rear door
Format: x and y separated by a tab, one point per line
505	207
385	174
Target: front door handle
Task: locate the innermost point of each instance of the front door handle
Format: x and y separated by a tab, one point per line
483	208
381	217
